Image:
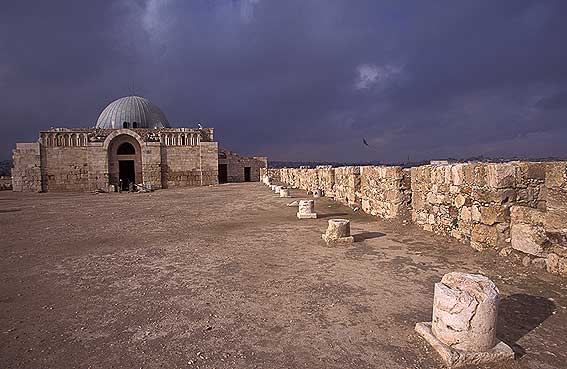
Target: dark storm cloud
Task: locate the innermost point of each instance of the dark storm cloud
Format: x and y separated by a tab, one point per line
299	80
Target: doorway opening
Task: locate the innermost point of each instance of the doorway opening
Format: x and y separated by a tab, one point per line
247	176
126	174
223	173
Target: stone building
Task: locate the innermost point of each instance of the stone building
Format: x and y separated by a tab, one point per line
132	143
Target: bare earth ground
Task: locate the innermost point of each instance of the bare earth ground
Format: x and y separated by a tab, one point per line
228	277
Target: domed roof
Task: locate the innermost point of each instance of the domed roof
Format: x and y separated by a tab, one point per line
132	109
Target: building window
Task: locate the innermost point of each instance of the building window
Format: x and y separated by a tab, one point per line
125	125
134	125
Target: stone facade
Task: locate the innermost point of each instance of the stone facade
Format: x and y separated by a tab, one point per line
75	160
26	171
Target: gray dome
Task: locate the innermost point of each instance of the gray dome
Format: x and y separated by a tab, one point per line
132	109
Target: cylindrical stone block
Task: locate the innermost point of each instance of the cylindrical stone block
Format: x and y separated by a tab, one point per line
284	192
338	228
306	207
317	193
465	309
277	189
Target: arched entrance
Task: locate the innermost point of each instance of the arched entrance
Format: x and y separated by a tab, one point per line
124	162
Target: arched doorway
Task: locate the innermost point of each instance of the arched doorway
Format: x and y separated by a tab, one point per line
124	162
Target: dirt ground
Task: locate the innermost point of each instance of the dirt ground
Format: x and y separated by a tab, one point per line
228	277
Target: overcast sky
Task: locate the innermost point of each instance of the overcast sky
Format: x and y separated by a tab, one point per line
298	79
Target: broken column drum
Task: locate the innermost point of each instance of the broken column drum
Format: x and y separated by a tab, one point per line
338	231
284	192
306	210
465	308
463	328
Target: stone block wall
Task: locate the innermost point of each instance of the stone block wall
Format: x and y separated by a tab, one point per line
26	171
209	152
97	166
385	191
66	169
182	165
274	175
471	201
347	185
151	165
326	179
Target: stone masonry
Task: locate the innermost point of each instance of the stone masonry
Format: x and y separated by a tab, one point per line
514	208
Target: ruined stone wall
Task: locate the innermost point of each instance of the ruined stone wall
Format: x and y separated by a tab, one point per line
274	175
471	201
236	165
385	191
26	171
326	179
556	202
347	185
539	234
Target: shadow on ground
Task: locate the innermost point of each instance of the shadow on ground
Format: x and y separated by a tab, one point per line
331	215
367	236
518	315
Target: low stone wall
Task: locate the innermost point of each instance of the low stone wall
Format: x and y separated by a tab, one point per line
385	191
347	185
539	235
514	207
471	201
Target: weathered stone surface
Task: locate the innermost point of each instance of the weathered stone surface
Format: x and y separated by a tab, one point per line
338	231
317	193
306	210
455	358
556	264
465	309
459	200
492	214
501	175
527	232
483	237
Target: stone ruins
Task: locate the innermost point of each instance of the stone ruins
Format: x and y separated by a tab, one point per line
338	232
463	327
517	208
306	210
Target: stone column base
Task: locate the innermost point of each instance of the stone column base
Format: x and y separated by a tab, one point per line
454	358
337	241
307	216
